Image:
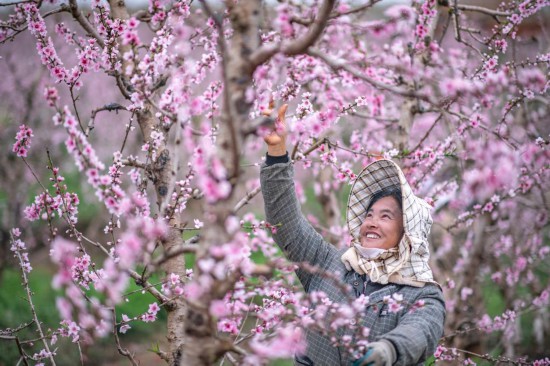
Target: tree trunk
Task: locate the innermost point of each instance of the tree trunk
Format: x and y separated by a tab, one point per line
202	344
162	174
461	317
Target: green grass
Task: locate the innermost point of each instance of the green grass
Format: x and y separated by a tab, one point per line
16	311
494	301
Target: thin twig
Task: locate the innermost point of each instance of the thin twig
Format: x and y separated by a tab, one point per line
26	285
136	276
61	9
80	353
367	116
246	199
337	65
174	252
122	351
21	351
128	129
76	109
356	10
427	134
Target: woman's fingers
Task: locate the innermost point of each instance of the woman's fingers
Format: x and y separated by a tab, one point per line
282	113
267	112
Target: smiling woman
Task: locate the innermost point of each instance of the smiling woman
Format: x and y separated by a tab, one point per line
383	225
388	259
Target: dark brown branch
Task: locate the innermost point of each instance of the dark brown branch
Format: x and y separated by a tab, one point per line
21	351
77	15
108	107
148	287
299	45
189	246
8	334
122	85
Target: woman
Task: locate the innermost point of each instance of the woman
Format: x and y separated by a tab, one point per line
390	227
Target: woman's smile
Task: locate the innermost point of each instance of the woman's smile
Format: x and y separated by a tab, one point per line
383	225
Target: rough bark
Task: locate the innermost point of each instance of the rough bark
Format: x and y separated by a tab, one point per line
245	19
162	174
410	105
461	318
406	118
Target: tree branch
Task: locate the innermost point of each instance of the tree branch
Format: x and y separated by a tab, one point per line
340	65
455	21
107	107
62	8
189	246
133	162
122	351
299	45
31	304
246	199
475	8
77	15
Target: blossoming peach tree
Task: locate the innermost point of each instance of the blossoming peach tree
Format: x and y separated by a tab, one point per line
457	94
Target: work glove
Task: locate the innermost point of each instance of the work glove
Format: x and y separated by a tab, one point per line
381	353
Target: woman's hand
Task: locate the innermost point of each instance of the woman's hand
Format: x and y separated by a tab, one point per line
276	139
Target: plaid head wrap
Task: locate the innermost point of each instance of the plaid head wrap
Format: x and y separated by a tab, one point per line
408	263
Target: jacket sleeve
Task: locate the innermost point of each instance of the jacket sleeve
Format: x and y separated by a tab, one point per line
295	235
418	333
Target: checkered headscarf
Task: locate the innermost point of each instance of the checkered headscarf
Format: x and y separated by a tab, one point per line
409	263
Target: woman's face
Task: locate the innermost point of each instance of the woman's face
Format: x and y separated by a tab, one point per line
383	225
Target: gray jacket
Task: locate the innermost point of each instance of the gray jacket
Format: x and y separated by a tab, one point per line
414	334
